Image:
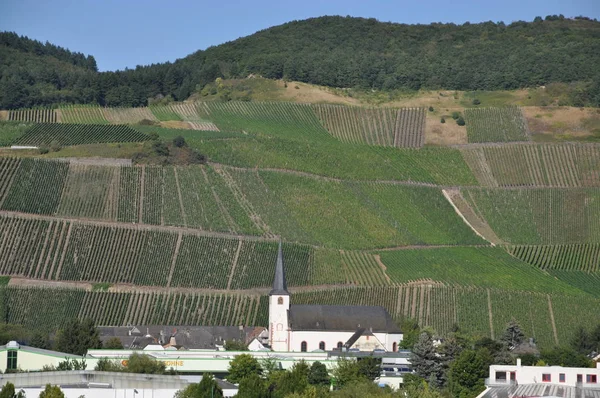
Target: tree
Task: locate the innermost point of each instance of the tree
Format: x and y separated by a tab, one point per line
442	120
476	101
467	373
39	340
513	336
77	337
425	360
346	371
318	374
582	341
113	343
412	331
142	363
292	381
52	392
369	367
460	121
55	146
8	391
242	366
207	388
233	345
109	365
160	148
179	141
565	356
252	386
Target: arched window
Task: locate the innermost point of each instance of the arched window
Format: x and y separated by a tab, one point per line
280	300
303	346
395	347
340	345
322	345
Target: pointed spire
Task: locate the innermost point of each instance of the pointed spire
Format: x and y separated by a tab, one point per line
279	283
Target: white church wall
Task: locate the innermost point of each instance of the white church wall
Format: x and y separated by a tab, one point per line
388	339
313	338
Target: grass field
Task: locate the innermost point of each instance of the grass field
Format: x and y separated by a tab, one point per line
76	134
12	131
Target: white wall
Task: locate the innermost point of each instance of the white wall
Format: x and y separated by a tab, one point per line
331	339
533	374
106	393
278	322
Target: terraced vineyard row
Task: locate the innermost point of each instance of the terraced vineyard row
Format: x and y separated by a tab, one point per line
496	124
76	134
540	216
33	115
576	257
374	126
52	308
469	266
127	115
539	165
81	114
73	251
282	119
299	208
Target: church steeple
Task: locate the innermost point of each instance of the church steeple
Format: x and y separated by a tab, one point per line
279	283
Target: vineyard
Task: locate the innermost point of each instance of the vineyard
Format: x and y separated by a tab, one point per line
76	134
542	165
50	308
219	199
469	266
374	126
81	114
34	115
496	125
443	166
577	257
540	216
75	251
281	119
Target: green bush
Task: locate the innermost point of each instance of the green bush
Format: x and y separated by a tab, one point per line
460	121
476	101
442	120
44	150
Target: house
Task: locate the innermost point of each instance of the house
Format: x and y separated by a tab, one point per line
307	328
185	337
14	356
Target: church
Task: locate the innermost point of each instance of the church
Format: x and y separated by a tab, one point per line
305	328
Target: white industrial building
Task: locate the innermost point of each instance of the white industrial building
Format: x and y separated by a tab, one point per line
510	381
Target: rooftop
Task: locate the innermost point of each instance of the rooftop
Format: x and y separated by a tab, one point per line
342	318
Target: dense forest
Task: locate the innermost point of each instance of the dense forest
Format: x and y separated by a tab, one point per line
330	51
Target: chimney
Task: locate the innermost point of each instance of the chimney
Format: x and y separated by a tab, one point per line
519	362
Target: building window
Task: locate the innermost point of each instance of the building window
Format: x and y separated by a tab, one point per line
546	378
280	300
322	345
395	347
11	360
591	379
340	345
501	376
579	378
303	346
561	378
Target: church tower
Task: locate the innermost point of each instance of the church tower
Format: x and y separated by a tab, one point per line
279	306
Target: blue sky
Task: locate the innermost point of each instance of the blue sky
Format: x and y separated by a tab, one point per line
121	33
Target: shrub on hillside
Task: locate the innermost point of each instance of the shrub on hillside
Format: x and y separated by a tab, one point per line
179	141
460	121
55	146
442	120
476	101
44	150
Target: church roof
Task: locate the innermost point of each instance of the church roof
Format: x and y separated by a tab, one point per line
341	318
279	283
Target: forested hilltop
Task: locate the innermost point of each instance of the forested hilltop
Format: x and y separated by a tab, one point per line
328	51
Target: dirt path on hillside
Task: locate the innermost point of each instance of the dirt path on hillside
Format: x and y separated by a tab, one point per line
468	215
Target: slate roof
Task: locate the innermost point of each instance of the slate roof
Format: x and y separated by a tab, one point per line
199	337
341	318
279	282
